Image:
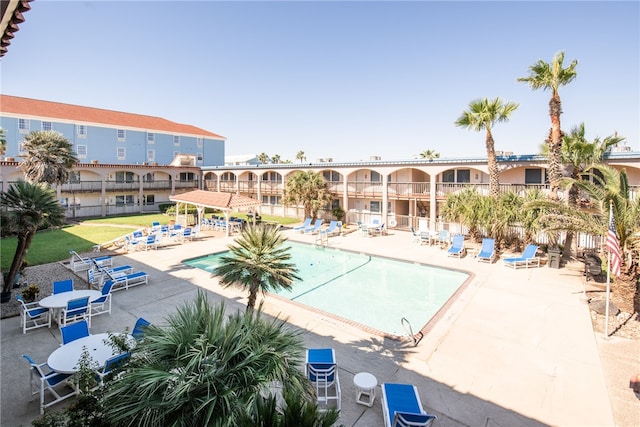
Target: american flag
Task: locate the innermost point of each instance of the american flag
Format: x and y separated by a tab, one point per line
613	246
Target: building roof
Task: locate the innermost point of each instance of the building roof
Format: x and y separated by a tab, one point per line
28	107
11	12
213	199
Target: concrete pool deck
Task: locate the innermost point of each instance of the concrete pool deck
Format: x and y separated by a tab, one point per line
516	348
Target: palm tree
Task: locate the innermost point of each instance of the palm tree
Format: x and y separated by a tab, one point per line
205	368
25	208
483	114
300	156
543	75
258	262
309	189
263	158
578	153
49	157
429	154
3	142
275	159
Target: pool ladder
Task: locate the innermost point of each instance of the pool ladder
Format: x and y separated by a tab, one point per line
322	239
407	327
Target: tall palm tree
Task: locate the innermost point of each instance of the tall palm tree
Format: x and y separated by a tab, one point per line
429	154
300	156
49	157
578	153
483	114
258	262
309	189
25	208
275	159
263	158
205	368
545	76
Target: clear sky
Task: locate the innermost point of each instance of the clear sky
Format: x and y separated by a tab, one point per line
347	80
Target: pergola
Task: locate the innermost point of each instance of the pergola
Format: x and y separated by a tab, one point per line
226	202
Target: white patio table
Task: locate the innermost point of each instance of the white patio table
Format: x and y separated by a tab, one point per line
65	358
59	301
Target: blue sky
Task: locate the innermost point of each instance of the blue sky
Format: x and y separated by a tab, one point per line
347	80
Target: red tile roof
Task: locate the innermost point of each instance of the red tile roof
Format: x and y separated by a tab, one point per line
215	199
55	110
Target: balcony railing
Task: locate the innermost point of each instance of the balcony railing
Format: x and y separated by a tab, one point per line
364	189
122	185
187	183
81	186
401	190
164	184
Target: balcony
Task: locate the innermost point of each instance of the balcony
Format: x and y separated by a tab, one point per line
122	185
187	183
404	190
364	189
157	185
81	187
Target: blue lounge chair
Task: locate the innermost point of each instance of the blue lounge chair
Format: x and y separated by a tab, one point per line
138	328
401	406
78	263
315	228
457	247
125	281
487	251
528	258
305	224
331	230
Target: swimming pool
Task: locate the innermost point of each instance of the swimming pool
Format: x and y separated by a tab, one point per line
372	291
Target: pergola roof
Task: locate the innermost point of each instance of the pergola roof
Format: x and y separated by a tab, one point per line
213	199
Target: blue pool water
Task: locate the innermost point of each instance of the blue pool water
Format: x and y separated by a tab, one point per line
373	291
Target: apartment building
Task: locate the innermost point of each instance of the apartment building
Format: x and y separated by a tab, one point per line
127	162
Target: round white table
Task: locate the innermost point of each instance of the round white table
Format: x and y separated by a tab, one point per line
65	359
60	300
366	385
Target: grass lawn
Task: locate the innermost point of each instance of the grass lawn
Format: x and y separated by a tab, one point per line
54	245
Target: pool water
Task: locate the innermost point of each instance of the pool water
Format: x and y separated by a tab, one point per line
373	291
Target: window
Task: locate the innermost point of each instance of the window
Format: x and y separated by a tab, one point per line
81	131
121	134
23	125
151	138
47	126
533	176
151	155
270	200
374	207
187	176
125	177
464	175
449	176
121	152
176	140
228	176
149	177
149	199
199	142
81	151
335	203
200	157
124	200
376	177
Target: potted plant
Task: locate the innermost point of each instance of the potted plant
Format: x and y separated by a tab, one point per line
31	292
338	213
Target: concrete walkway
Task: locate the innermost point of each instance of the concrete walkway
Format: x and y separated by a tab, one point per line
516	348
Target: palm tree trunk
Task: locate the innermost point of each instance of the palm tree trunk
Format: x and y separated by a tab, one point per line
555	144
24	241
494	172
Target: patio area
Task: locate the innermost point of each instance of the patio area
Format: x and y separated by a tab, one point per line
516	348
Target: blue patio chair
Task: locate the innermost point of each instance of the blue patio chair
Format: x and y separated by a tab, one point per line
322	370
527	258
44	379
61	286
444	238
76	309
415	236
331	230
305	224
139	327
32	316
103	304
457	247
74	331
113	366
401	406
487	251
